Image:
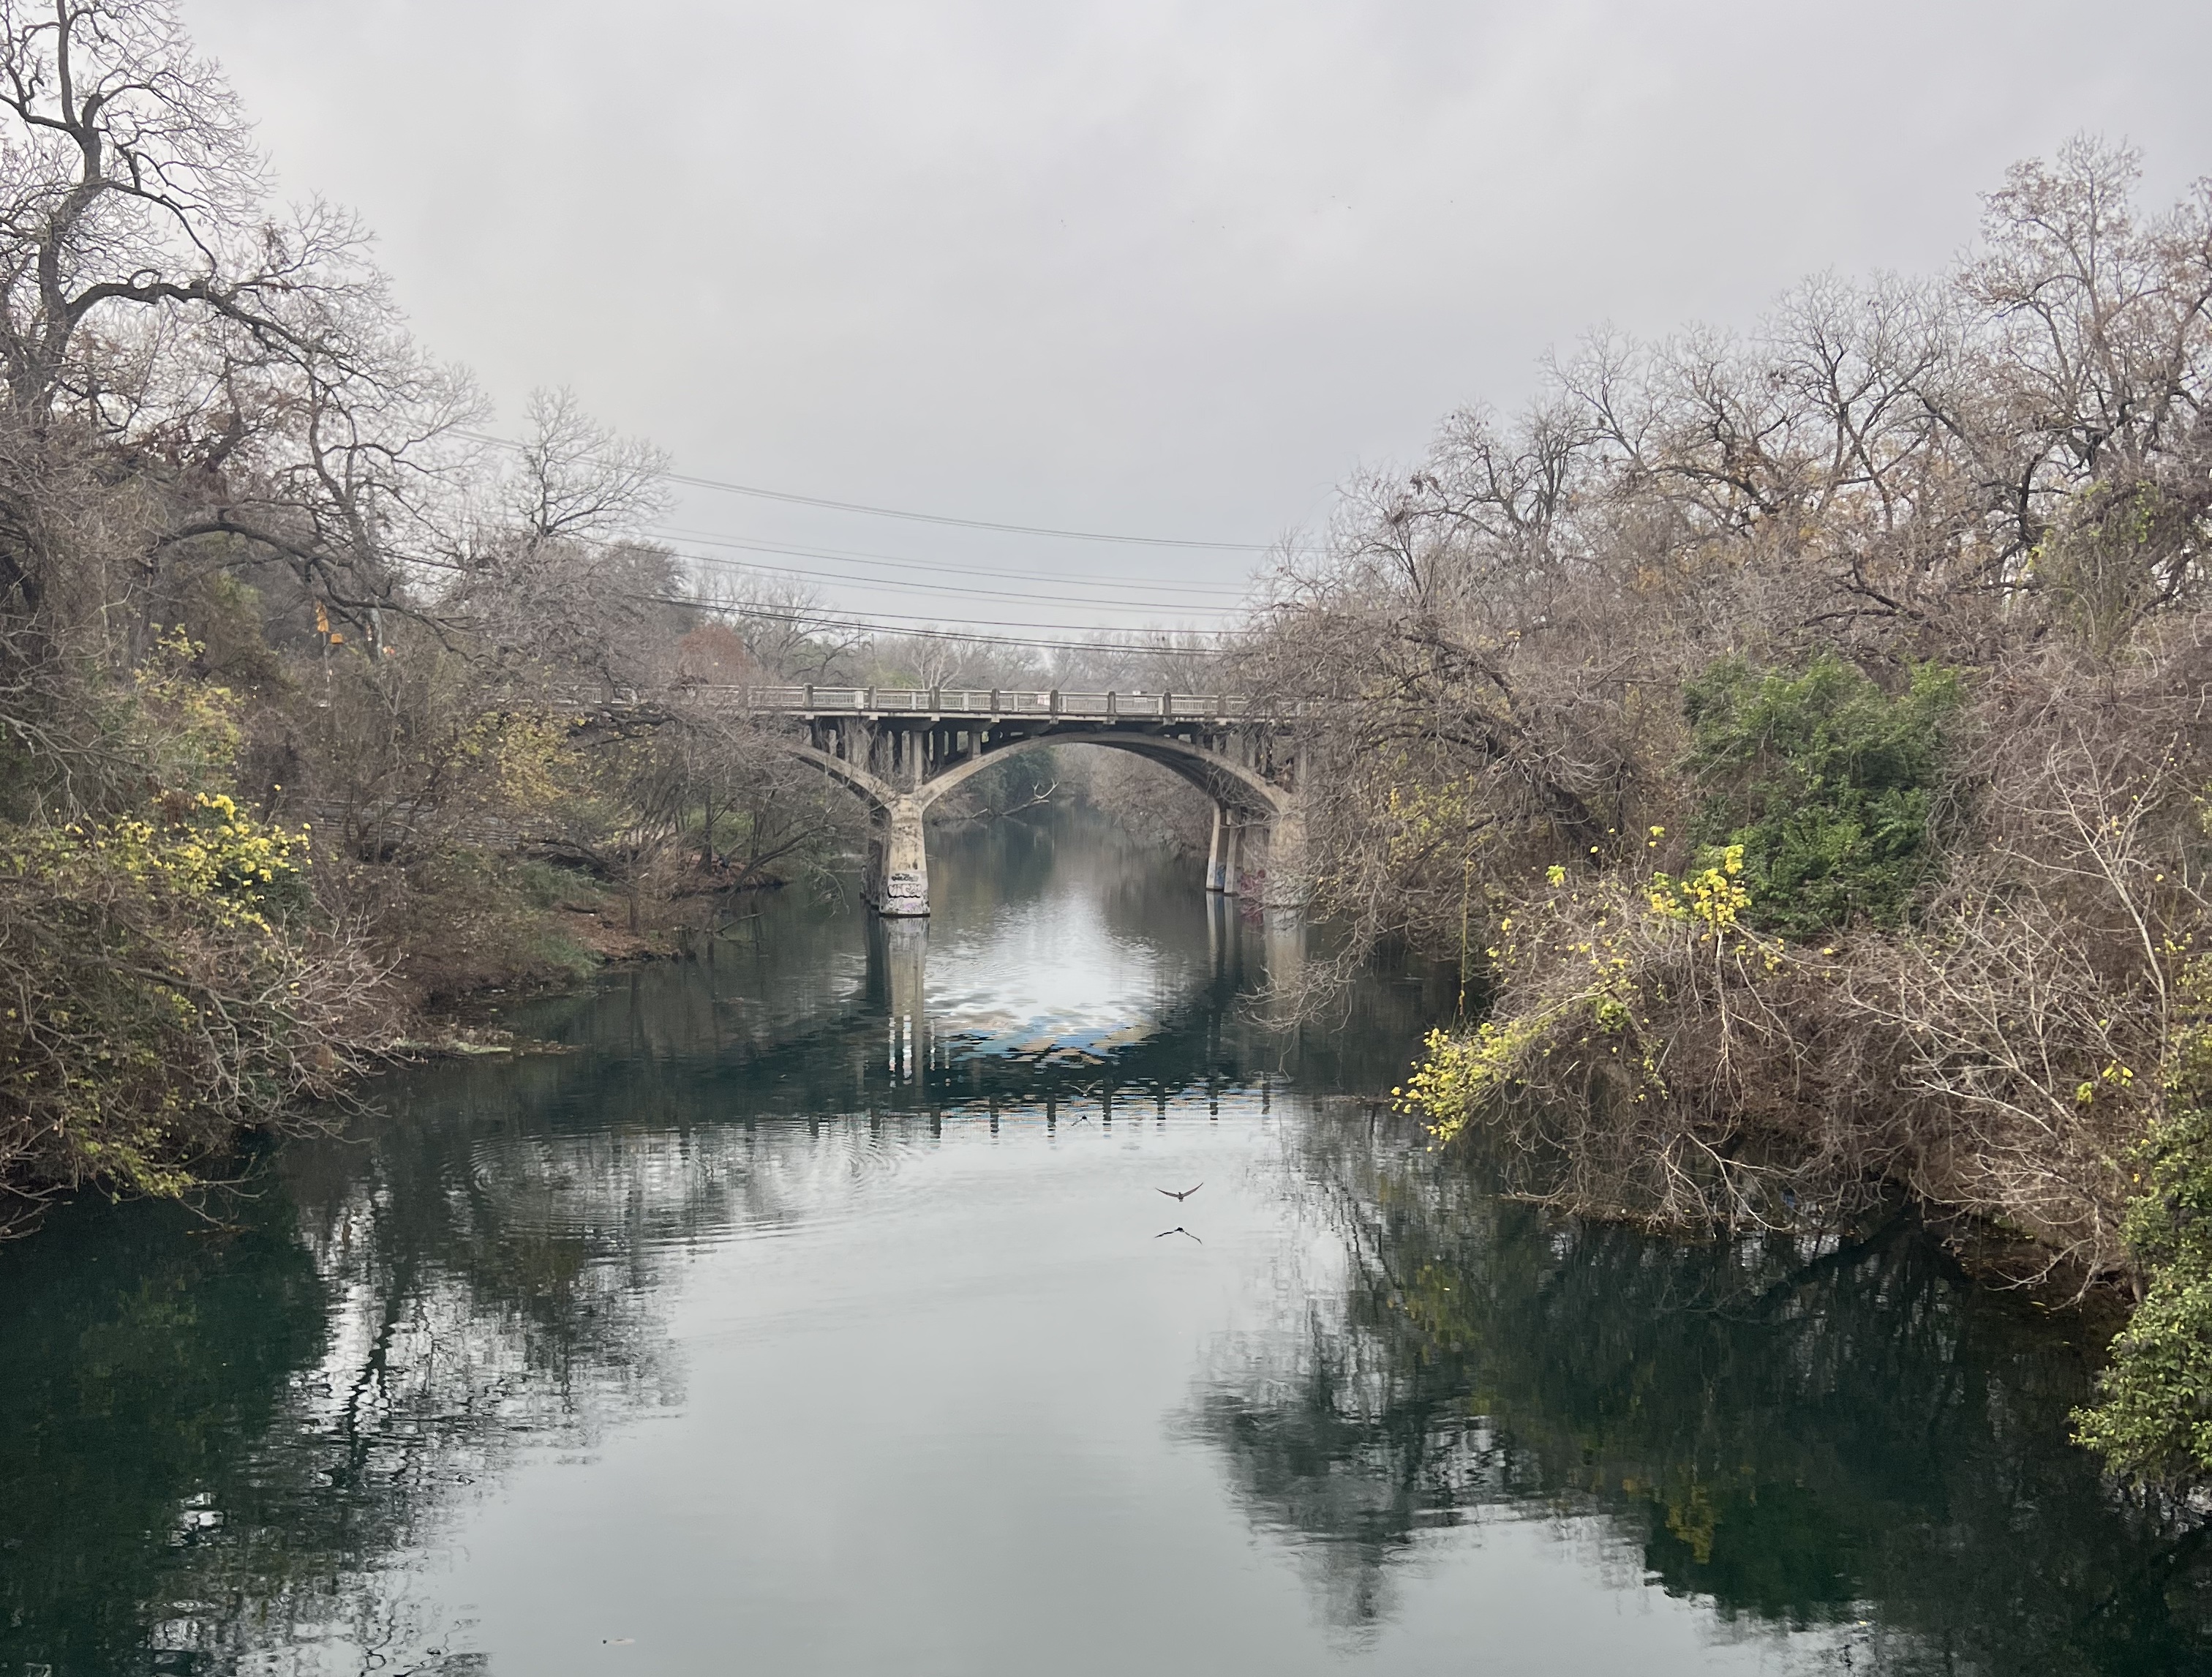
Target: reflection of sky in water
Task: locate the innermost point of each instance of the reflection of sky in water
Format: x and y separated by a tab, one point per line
1049	981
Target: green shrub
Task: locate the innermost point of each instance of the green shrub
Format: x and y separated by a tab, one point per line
2153	1421
1826	782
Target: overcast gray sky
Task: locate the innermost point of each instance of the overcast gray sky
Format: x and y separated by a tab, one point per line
1140	265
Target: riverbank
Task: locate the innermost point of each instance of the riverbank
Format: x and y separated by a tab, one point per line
568	931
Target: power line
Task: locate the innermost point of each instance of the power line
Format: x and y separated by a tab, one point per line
928	588
805	618
716	538
963	523
916	517
909	617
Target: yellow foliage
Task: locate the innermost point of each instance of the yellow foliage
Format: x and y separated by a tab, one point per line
525	756
1581	975
199	846
1714	898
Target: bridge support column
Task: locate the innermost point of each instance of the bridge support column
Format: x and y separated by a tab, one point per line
1217	856
1285	885
1264	861
898	863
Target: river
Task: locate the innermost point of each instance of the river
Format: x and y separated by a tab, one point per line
817	1308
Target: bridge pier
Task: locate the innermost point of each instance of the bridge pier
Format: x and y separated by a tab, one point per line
1284	884
898	861
1261	858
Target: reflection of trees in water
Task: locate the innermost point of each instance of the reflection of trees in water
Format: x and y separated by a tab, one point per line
1801	1434
216	1447
136	1356
226	1439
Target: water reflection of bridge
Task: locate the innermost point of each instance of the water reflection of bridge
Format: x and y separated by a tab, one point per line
1133	987
1188	1046
876	1043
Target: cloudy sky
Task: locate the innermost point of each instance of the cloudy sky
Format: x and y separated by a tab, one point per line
1141	266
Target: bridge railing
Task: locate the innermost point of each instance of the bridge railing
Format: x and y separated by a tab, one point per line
995	704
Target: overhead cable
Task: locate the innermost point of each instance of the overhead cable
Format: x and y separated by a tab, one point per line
716	538
807	617
912	516
932	587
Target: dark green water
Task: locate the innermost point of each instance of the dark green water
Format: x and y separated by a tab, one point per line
814	1315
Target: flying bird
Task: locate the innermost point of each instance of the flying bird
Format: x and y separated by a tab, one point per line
1178	1197
1177	1229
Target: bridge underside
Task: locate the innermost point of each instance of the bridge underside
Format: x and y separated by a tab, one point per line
902	763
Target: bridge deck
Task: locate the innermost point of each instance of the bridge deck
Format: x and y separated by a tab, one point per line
997	703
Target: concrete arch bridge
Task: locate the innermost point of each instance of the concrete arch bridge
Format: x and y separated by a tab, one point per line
902	749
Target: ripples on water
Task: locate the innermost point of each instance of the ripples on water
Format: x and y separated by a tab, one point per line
819	1311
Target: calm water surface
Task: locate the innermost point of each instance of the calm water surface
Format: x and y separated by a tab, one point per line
817	1311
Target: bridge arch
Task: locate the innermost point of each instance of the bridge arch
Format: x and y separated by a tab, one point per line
1222	777
879	794
900	753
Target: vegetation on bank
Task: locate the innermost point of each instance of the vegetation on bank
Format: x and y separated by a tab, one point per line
2156	1419
1802	739
315	709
